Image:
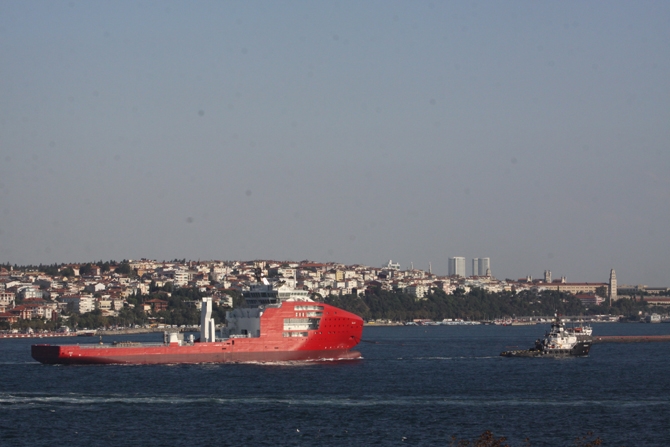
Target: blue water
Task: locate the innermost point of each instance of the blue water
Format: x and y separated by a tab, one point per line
415	386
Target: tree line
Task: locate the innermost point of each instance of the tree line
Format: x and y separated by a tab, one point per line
375	304
477	304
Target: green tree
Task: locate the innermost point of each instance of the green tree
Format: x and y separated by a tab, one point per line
123	269
67	271
350	303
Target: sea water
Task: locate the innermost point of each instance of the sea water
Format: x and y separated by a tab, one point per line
414	386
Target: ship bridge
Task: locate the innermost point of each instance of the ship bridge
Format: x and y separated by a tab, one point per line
267	293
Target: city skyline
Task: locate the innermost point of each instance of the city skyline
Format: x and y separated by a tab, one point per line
458	268
531	133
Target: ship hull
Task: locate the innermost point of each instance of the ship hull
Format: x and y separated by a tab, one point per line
337	333
198	353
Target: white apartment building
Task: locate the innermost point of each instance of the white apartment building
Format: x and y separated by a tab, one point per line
82	303
417	290
104	305
181	278
29	292
95	287
7	300
286	272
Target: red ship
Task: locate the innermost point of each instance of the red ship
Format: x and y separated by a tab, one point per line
277	324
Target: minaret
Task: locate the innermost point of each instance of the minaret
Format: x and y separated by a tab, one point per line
612	291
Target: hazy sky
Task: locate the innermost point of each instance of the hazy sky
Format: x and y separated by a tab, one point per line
533	133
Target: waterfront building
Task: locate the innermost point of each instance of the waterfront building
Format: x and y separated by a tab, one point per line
571	287
589	299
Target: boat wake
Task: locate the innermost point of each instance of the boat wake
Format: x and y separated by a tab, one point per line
449	358
312	362
18	363
17	401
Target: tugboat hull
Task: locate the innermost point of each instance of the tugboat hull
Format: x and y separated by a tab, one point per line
579	350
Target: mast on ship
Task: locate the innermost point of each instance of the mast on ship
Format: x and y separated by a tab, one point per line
207	326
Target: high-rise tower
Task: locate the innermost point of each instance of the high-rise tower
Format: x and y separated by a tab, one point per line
484	266
612	291
457	266
475	267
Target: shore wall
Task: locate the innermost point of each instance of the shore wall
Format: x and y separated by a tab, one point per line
630	338
131	331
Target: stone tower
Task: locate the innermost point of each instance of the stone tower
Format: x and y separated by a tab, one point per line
612	290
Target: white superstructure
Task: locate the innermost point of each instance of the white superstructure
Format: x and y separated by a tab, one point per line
265	293
246	321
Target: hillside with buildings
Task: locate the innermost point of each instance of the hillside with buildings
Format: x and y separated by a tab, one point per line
148	292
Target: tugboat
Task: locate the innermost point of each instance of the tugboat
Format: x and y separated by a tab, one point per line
558	342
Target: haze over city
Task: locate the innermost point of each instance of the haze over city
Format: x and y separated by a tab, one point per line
535	134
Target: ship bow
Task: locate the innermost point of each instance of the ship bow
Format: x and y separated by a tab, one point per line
45	353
